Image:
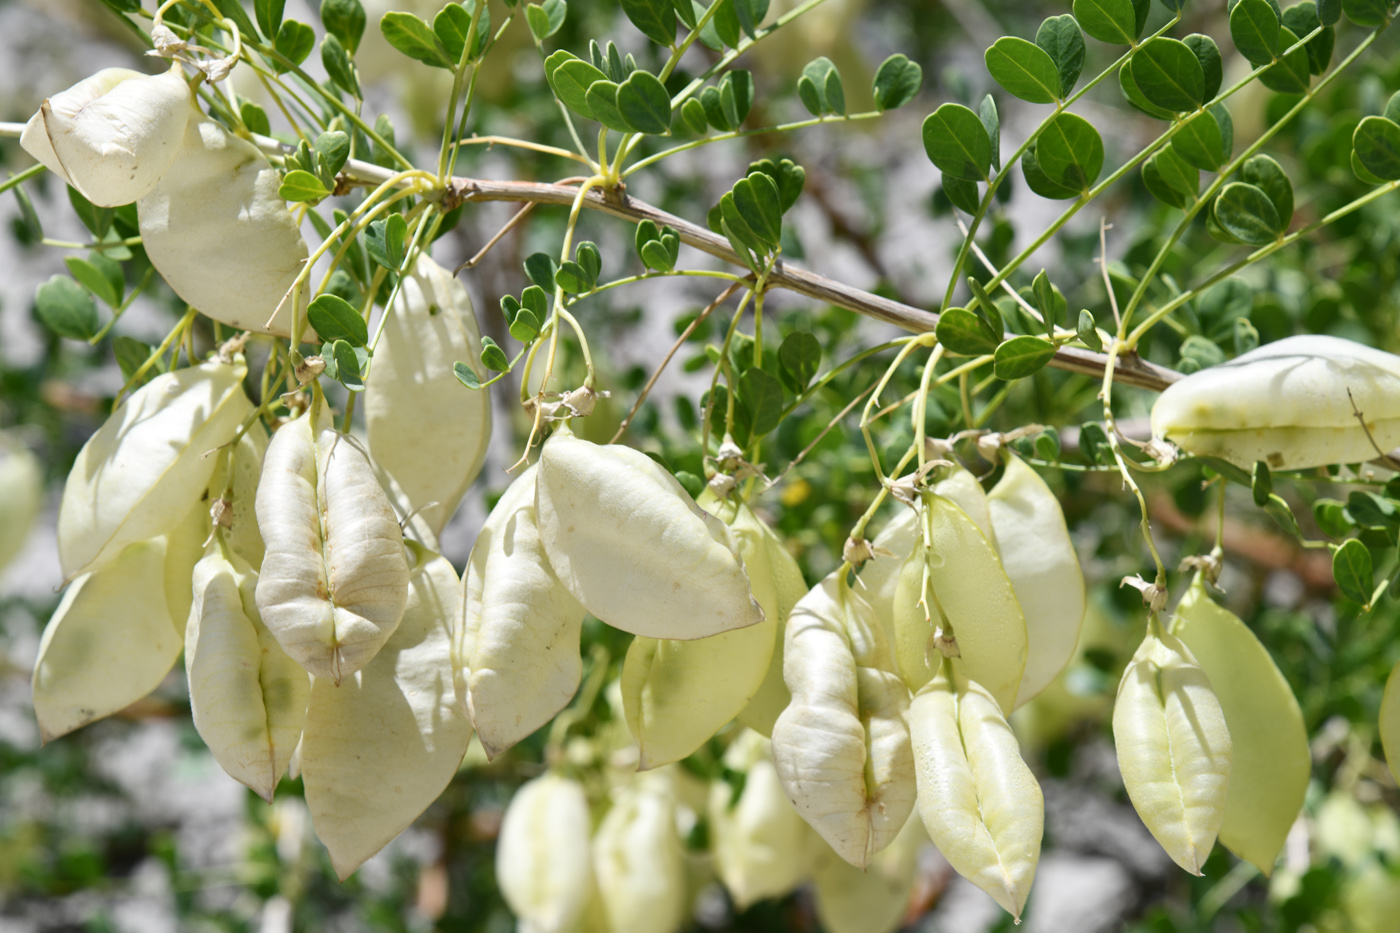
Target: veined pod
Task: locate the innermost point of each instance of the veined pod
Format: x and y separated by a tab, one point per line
240	493
216	228
515	656
954	584
979	802
638	860
789	586
629	543
248	699
1390	721
761	846
412	394
334	579
1173	748
113	135
873	900
21	497
1038	557
842	746
145	468
543	859
109	643
184	549
1292	404
382	746
1270	762
677	694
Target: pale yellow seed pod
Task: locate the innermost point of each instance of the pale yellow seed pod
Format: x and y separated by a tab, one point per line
1270	762
788	586
184	548
385	743
543	857
677	694
217	230
247	697
978	800
1173	748
1292	404
146	467
412	395
113	135
761	846
875	899
1390	721
241	517
956	584
638	861
21	496
109	643
630	544
334	580
842	746
1039	559
516	653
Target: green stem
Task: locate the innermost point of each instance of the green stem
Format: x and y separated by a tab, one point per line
22	177
740	134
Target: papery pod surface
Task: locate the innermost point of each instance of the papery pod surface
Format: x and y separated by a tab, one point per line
21	497
184	548
978	800
842	746
874	900
1038	557
238	514
1270	762
638	860
247	697
677	694
631	545
413	398
217	230
788	586
1288	403
109	643
516	654
385	743
146	467
543	858
1390	721
1173	748
957	584
762	848
334	580
113	135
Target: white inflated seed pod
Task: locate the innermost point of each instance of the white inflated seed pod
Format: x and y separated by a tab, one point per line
638	860
543	858
21	496
871	900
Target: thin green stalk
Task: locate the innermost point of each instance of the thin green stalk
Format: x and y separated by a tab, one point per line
740	134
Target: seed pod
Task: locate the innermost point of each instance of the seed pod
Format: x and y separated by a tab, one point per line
761	846
1292	404
638	861
516	654
842	747
109	643
1390	721
677	694
21	497
873	900
145	468
543	862
630	544
113	135
954	587
218	231
383	745
334	580
1038	557
1173	748
788	587
184	548
1270	762
412	394
979	802
239	515
248	699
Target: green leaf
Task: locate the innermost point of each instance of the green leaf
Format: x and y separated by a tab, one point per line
452	26
415	38
66	308
1134	96
1070	152
736	96
818	73
100	275
1329	12
294	42
269	16
1246	336
787	175
644	104
1041	183
750	14
736	227
1372	511
693	113
395	237
540	269
1332	518
1293	74
233	10
714	109
602	100
1204	352
1088	334
835	92
1352	569
338	67
1301	19
344	19
254	118
1261	483
897	82
762	396
590	260
525	328
1170	179
1212	64
1048	299
1112	21
1254	27
1169	74
29	219
1377	145
336	319
799	356
811	97
756	199
991	121
1206	139
1024	69
493	357
1363	173
1020	357
1061	39
655	18
349	365
1368	13
1267	175
332	151
573	278
571	80
131	354
963	333
957	143
655	257
534	300
466	375
302	186
545	18
1093	443
963	194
